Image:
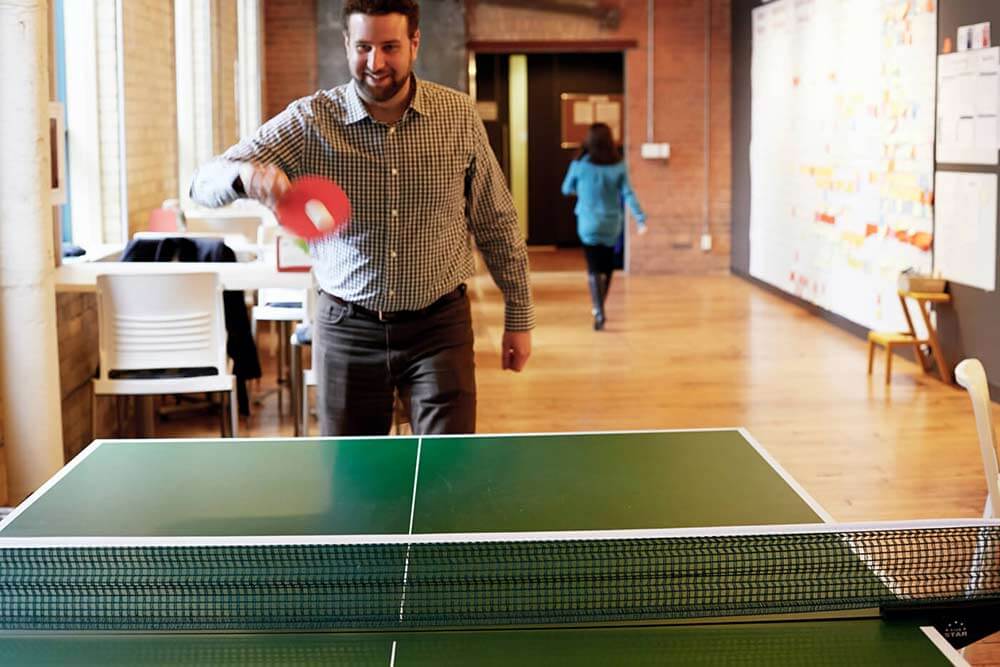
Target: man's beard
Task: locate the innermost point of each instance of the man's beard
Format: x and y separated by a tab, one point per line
382	94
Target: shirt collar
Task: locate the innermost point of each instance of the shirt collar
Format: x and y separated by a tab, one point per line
356	109
419	100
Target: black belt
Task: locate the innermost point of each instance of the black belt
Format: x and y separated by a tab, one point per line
399	315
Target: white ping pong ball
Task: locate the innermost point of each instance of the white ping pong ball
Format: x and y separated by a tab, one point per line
319	215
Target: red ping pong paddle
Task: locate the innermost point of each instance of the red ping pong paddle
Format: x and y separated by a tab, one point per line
313	208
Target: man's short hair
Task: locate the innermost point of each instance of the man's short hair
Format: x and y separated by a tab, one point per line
408	8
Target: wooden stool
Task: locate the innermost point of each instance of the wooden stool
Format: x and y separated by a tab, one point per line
889	339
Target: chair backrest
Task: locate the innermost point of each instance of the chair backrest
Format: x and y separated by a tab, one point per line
245	226
155	236
970	374
166	320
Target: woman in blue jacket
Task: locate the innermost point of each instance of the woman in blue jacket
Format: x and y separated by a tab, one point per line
599	180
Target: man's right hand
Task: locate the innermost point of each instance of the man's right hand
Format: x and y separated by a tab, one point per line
266	183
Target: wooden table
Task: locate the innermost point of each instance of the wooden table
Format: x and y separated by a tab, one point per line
82	277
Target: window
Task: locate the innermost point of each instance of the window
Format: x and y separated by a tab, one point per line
88	75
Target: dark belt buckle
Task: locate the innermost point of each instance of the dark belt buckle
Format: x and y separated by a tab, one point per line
384	316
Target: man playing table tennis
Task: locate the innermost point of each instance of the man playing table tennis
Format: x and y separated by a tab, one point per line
416	165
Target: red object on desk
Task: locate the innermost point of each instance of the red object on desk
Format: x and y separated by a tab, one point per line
315	207
299	261
164	220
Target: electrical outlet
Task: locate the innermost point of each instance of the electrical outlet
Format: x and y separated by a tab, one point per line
653	151
706	242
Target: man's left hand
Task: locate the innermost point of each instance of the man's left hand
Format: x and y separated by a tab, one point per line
516	348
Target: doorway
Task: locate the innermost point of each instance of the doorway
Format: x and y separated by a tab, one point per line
550	219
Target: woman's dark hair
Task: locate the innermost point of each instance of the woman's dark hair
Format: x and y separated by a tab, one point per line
600	145
408	8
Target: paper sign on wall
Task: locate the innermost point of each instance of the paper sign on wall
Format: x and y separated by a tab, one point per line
965	230
968	112
976	36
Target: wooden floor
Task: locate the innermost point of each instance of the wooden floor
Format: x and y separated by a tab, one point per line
692	352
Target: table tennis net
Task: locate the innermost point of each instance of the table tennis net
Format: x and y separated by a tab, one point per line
426	582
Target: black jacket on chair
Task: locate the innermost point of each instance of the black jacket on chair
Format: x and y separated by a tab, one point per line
240	345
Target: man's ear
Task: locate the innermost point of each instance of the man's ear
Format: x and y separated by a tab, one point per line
415	42
347	42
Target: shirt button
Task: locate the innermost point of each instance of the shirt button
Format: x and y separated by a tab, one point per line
392	292
392	130
392	253
395	172
395	213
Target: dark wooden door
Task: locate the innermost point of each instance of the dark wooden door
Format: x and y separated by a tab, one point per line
550	215
493	91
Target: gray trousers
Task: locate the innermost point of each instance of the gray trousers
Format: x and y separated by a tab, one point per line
428	358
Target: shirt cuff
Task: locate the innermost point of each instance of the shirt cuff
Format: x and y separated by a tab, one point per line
519	318
213	183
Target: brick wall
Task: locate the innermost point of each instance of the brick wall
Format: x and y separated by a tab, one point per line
226	123
76	330
150	107
289	52
672	193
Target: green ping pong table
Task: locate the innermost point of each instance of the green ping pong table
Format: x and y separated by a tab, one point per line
449	484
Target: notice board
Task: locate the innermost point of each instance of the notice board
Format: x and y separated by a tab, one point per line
581	110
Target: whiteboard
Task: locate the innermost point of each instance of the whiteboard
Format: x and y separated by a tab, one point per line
842	151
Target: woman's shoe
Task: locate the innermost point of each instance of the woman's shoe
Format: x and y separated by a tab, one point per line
596	300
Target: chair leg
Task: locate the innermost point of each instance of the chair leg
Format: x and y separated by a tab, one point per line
295	385
871	355
918	354
304	427
222	415
283	339
234	417
93	414
888	363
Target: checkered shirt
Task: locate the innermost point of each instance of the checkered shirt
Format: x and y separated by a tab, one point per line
420	191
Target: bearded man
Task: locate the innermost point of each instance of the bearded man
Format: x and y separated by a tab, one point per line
413	157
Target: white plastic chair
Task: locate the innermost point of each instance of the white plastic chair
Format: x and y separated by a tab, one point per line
166	334
301	378
306	378
970	374
283	306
